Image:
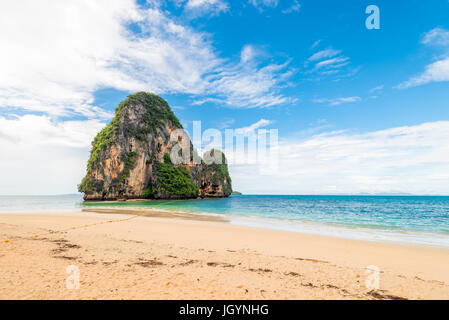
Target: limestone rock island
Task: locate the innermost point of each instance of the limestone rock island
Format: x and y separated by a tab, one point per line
130	158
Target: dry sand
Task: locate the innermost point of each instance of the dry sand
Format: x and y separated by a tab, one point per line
133	257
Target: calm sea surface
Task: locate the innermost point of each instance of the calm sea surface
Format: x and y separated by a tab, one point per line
407	219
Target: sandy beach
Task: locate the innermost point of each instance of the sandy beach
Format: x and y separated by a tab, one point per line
122	256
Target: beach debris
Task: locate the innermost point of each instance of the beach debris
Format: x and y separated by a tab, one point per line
312	260
380	296
223	264
212	264
7	240
108	263
65	257
260	270
310	284
186	263
148	263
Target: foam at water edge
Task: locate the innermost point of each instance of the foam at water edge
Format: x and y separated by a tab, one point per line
355	233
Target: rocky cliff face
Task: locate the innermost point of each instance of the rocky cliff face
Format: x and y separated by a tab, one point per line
130	158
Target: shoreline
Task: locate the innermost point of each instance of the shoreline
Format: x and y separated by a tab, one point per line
360	219
389	236
133	257
327	230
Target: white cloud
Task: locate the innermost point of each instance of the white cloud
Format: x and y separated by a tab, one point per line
327	53
435	72
251	128
337	101
332	63
225	123
315	44
437	36
295	7
377	89
248	53
56	54
328	62
212	7
260	4
412	159
42	156
250	83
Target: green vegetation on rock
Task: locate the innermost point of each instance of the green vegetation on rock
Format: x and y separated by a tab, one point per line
157	114
125	160
173	181
85	185
148	193
105	138
159	111
167	158
129	161
219	171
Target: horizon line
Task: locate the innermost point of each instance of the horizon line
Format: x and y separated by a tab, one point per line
260	194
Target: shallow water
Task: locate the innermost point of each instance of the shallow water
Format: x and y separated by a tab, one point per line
409	219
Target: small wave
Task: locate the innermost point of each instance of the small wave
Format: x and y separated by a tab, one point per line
357	233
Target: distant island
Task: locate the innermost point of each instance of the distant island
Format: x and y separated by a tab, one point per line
130	158
236	193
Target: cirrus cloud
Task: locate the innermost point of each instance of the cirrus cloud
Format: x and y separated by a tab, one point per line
211	7
337	101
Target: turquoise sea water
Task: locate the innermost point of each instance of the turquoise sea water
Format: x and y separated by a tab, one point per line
409	219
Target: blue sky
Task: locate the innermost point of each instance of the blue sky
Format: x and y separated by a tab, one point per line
358	110
381	58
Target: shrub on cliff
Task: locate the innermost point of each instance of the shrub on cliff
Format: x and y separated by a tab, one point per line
171	181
